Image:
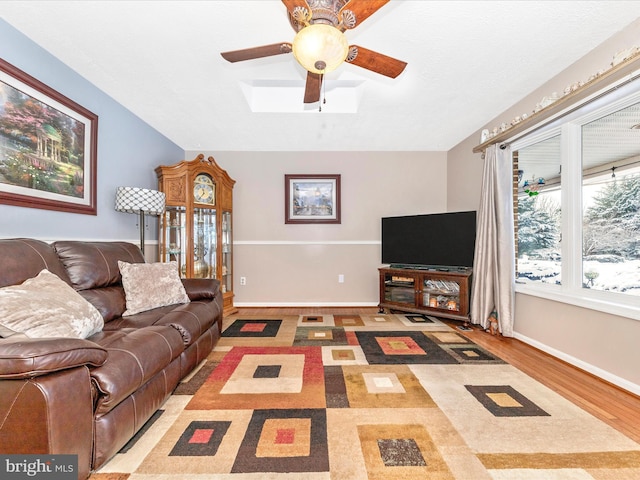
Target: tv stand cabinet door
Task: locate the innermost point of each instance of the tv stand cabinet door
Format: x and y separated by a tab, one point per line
399	289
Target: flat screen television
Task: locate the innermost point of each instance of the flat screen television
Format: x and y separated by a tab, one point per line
445	240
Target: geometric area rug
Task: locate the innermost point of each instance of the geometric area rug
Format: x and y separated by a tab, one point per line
350	397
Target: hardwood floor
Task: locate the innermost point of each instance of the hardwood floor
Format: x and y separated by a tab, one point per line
609	403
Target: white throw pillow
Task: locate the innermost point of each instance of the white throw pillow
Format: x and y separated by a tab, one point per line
151	285
45	306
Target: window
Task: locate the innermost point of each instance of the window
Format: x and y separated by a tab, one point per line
539	213
611	202
577	224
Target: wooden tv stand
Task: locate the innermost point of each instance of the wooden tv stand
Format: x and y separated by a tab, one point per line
441	292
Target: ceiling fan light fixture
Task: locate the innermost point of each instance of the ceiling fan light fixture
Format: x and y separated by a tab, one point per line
320	48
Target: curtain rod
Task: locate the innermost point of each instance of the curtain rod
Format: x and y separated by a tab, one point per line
617	76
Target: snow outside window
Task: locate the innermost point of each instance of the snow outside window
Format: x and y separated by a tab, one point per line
577	224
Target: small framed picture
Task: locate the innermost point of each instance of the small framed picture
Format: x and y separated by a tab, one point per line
312	198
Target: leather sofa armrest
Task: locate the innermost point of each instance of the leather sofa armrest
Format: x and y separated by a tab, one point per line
32	357
201	288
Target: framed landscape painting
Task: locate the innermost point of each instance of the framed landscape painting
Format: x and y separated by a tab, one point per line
48	146
312	198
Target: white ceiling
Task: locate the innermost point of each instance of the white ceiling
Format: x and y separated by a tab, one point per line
468	61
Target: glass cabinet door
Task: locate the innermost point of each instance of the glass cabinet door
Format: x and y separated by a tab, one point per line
174	241
227	278
441	293
399	289
204	243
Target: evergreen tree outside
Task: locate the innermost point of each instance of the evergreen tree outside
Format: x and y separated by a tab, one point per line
538	225
612	222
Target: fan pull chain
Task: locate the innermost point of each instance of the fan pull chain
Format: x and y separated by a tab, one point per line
320	93
324	91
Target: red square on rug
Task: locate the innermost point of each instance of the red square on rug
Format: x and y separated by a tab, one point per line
201	435
253	327
285	435
399	346
200	439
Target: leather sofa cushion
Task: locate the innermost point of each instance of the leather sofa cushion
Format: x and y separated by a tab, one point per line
135	355
24	258
95	264
110	301
190	319
142	319
26	358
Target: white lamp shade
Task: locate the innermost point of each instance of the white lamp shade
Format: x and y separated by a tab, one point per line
136	200
320	48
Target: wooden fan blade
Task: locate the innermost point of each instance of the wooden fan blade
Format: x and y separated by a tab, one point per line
291	4
376	62
312	89
363	9
257	52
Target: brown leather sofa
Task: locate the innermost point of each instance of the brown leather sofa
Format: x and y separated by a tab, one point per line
90	396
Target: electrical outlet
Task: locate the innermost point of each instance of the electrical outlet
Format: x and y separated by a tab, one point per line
243	280
341	278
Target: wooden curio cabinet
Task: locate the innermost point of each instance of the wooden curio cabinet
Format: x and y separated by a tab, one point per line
196	228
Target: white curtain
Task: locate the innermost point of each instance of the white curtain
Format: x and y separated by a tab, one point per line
494	264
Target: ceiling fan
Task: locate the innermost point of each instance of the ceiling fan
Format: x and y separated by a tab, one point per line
320	45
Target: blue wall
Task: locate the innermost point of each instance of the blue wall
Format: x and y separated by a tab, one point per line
128	152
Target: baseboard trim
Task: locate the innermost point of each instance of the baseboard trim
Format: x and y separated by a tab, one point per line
587	367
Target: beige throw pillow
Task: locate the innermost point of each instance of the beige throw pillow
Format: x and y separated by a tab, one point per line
151	285
45	306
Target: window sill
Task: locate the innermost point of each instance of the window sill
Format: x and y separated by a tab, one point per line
611	303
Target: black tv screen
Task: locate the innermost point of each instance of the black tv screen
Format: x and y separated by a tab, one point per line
438	240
